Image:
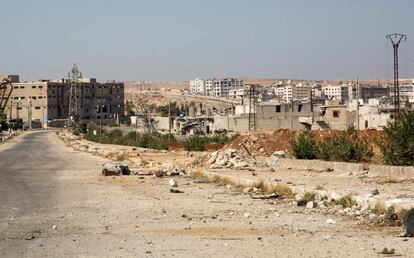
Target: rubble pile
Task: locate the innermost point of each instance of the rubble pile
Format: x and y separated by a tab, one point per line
230	158
263	144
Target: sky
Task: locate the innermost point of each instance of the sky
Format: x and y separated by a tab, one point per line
176	40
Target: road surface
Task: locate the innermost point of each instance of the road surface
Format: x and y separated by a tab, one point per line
53	202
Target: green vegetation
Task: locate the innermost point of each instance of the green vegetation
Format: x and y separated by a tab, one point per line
199	143
346	201
152	141
304	146
397	143
143	140
344	147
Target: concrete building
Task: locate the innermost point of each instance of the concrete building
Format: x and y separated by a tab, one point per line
47	102
288	91
198	86
222	87
336	92
215	87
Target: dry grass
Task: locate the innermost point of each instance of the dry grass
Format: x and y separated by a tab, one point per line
267	188
389	180
319	187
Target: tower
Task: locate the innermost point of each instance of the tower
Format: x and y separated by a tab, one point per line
74	96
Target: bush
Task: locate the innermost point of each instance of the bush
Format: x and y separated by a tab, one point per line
345	147
397	143
195	143
304	146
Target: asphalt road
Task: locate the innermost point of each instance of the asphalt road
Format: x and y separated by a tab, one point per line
54	203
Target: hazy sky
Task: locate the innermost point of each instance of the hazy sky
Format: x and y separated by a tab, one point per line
177	40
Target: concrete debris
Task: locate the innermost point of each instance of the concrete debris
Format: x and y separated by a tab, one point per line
375	192
173	183
330	221
246	215
115	169
230	158
310	205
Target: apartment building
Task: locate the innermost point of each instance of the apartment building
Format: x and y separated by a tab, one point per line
289	92
198	86
336	92
47	102
215	87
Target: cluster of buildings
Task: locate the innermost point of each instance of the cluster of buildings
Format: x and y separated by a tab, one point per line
299	105
45	103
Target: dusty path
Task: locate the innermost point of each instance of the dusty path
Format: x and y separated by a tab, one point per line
45	184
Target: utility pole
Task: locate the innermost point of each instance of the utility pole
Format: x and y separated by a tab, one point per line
29	114
396	40
169	120
100	115
11	110
357	103
252	108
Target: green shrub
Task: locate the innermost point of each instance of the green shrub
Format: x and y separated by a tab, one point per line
347	148
346	201
195	143
397	143
303	146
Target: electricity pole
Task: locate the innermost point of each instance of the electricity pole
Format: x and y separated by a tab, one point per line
357	104
396	40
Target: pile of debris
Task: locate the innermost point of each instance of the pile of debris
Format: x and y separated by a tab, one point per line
231	158
263	144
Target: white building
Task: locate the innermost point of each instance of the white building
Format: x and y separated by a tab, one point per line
336	92
222	87
215	87
198	86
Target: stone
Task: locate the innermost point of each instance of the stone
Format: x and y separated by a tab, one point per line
330	221
173	183
310	205
335	196
246	215
375	192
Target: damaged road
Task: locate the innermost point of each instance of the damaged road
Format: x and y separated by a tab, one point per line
55	202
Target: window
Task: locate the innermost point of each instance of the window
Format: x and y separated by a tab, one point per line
300	108
34	87
336	113
278	109
21	87
37	107
40	86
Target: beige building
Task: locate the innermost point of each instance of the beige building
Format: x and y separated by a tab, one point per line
47	102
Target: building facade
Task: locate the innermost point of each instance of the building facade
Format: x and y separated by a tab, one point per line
47	102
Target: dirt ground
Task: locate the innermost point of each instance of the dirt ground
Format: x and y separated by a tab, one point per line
134	216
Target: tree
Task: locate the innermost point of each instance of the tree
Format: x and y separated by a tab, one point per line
397	143
143	110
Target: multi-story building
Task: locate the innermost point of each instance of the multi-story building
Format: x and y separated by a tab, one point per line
215	87
336	92
45	101
198	86
289	92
